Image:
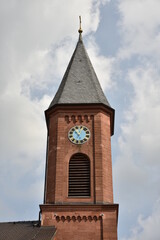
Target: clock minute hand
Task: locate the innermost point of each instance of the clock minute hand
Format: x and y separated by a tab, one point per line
80	130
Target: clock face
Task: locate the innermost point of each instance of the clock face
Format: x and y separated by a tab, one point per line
79	134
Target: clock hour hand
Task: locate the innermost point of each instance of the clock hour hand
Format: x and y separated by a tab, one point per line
77	132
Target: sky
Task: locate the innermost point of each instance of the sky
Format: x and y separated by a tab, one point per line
122	38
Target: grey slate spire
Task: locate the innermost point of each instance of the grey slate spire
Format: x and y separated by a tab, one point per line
80	84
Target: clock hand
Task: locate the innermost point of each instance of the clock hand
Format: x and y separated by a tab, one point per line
77	132
80	130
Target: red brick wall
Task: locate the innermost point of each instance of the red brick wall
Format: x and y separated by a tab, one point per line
96	218
82	222
103	166
60	150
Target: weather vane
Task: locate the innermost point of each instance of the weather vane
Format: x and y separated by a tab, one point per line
80	29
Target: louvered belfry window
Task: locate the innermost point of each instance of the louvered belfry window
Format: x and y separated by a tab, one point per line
79	176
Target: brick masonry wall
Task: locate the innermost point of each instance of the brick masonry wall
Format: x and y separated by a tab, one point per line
82	222
89	218
98	149
103	161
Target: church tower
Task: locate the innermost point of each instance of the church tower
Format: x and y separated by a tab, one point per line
78	194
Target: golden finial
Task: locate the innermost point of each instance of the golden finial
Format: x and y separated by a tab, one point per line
80	29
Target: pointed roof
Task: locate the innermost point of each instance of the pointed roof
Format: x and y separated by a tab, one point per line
80	84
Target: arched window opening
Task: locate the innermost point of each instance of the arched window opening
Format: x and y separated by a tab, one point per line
79	176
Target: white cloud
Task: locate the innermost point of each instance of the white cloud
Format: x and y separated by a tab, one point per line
147	227
137	166
143	114
140	27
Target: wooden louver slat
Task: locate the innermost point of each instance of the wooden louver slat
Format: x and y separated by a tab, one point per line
79	176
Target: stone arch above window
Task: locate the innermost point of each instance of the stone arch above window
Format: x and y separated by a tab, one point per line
79	176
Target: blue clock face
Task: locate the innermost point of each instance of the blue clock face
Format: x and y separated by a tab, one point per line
79	134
